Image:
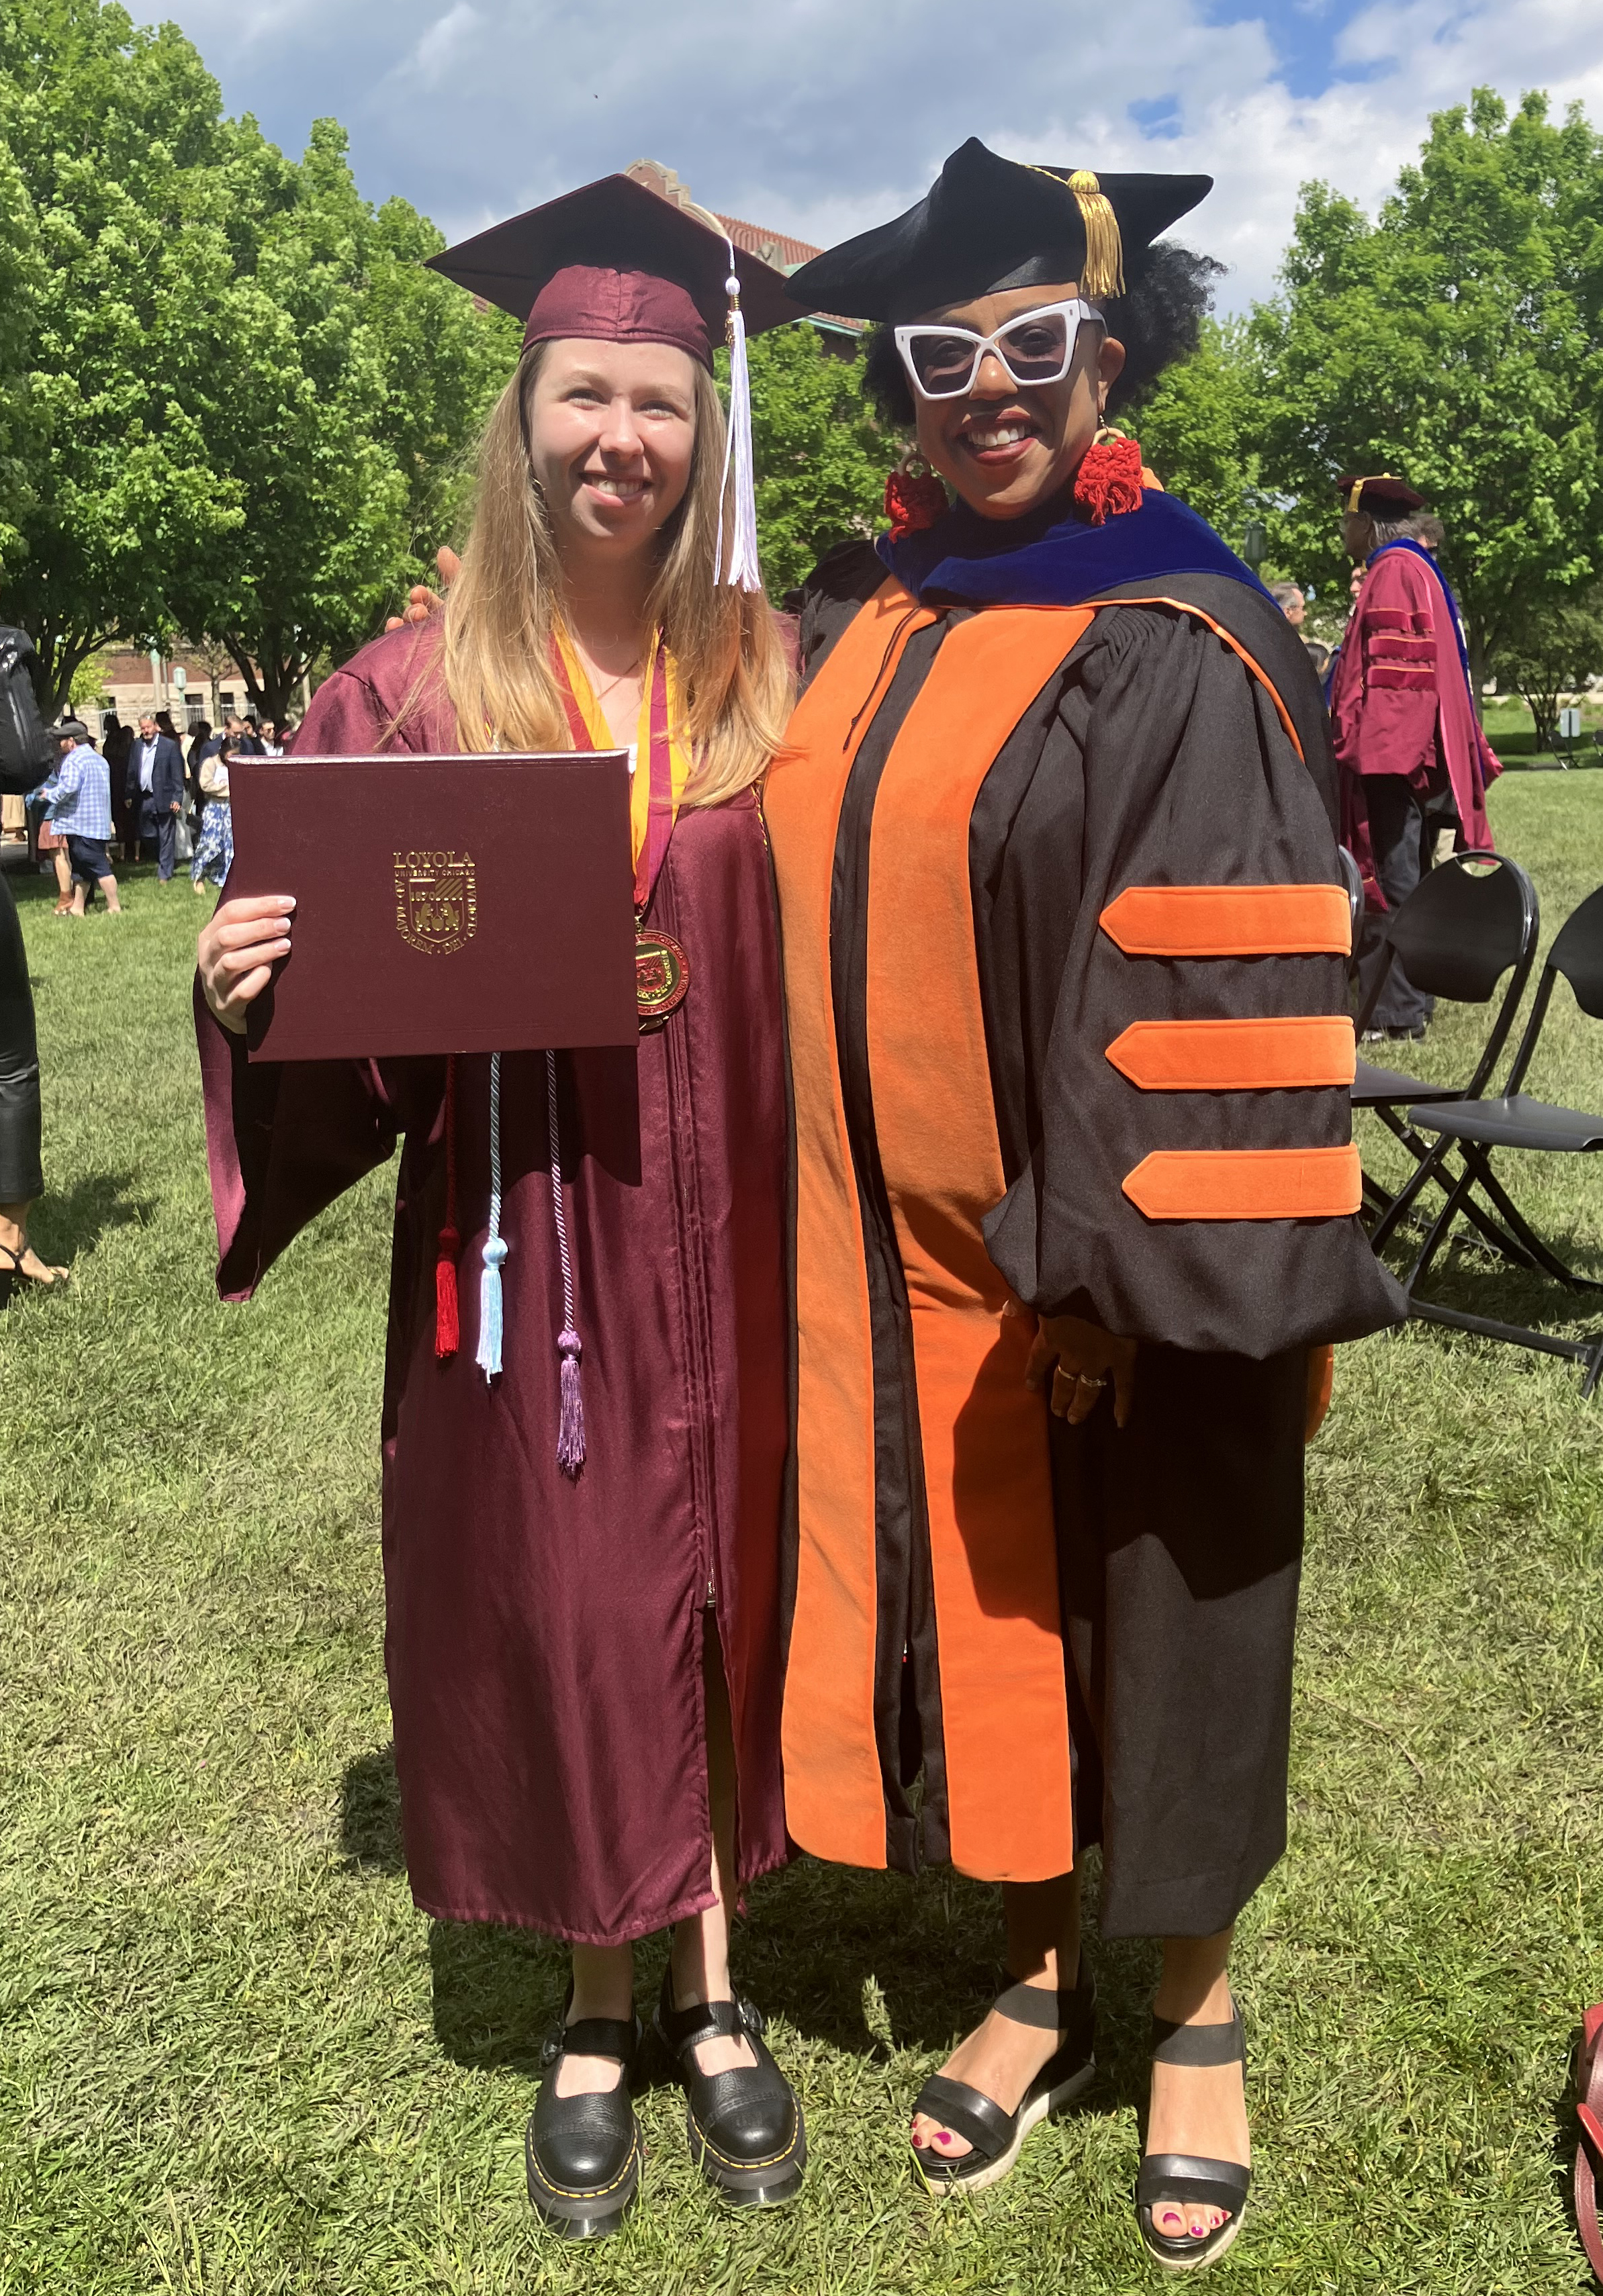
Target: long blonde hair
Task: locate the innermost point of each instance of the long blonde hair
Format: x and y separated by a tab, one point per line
734	669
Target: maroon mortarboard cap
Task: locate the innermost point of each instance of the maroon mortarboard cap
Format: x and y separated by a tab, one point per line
1381	497
615	263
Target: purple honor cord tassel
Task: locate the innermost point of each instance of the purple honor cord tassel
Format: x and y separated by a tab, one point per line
571	1422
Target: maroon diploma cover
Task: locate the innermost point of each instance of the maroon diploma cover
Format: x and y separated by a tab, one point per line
442	904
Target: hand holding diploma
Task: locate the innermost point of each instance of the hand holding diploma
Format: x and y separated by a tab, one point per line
237	951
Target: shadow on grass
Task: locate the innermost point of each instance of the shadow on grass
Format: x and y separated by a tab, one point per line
495	1990
370	1832
497	1994
30	886
1469	1276
840	1955
844	1957
62	1227
1475	1283
829	1948
1567	2137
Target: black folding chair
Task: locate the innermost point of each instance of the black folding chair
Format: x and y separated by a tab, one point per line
1474	918
1477	1127
1352	875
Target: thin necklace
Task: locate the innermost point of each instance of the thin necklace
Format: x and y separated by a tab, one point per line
602	692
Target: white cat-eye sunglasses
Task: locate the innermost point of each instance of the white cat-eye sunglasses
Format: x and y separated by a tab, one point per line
1036	348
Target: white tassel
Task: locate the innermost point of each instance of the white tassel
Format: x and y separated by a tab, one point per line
744	569
487	1356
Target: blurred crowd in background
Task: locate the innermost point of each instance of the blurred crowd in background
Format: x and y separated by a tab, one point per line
139	793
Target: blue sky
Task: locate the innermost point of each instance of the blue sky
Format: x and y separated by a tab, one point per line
823	116
1306	39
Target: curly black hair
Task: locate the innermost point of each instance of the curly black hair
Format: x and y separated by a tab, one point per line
1158	320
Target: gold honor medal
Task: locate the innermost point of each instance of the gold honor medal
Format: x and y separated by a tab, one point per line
662	977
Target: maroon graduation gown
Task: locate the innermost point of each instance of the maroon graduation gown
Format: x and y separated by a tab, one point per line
542	1636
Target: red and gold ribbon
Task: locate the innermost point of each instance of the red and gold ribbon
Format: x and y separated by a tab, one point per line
655	793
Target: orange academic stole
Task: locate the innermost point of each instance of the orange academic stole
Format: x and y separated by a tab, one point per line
1004	1711
833	1800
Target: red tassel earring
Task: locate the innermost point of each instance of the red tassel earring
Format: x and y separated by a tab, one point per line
1108	481
914	497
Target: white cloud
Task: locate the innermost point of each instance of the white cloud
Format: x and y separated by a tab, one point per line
444	48
823	116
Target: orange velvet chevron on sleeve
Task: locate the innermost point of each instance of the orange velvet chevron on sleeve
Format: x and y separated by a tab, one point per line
1230	921
1247	1183
1249	1055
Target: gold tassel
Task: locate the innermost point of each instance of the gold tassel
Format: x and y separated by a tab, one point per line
1104	270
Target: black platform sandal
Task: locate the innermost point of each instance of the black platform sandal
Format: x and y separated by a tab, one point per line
585	2153
746	2133
1185	2179
12	1273
997	2136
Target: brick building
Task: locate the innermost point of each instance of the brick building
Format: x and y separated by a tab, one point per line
188	684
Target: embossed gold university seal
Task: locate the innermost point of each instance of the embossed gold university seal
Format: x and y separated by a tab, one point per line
436	901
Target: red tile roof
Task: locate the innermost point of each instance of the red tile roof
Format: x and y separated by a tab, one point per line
775	247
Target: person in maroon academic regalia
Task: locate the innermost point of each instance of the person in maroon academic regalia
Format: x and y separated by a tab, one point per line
1408	732
582	1486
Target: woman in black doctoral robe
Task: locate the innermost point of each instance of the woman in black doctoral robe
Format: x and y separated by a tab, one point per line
1065	950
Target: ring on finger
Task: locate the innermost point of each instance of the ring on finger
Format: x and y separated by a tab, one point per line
1085	1380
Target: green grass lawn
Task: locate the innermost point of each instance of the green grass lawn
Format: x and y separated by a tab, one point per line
233	2058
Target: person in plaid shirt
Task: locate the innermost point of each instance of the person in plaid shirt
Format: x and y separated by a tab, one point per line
78	799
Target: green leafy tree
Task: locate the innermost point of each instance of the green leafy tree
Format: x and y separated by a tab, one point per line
112	130
241	407
20	275
820	457
1457	338
324	504
1198	425
89	682
1552	650
443	362
356	387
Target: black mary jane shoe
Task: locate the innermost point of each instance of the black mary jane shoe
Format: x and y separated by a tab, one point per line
746	2133
997	2135
1186	2179
585	2153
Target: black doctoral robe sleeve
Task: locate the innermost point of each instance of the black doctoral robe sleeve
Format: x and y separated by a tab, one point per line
1165	764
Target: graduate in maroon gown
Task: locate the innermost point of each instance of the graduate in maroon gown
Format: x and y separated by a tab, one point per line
581	1480
1408	733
